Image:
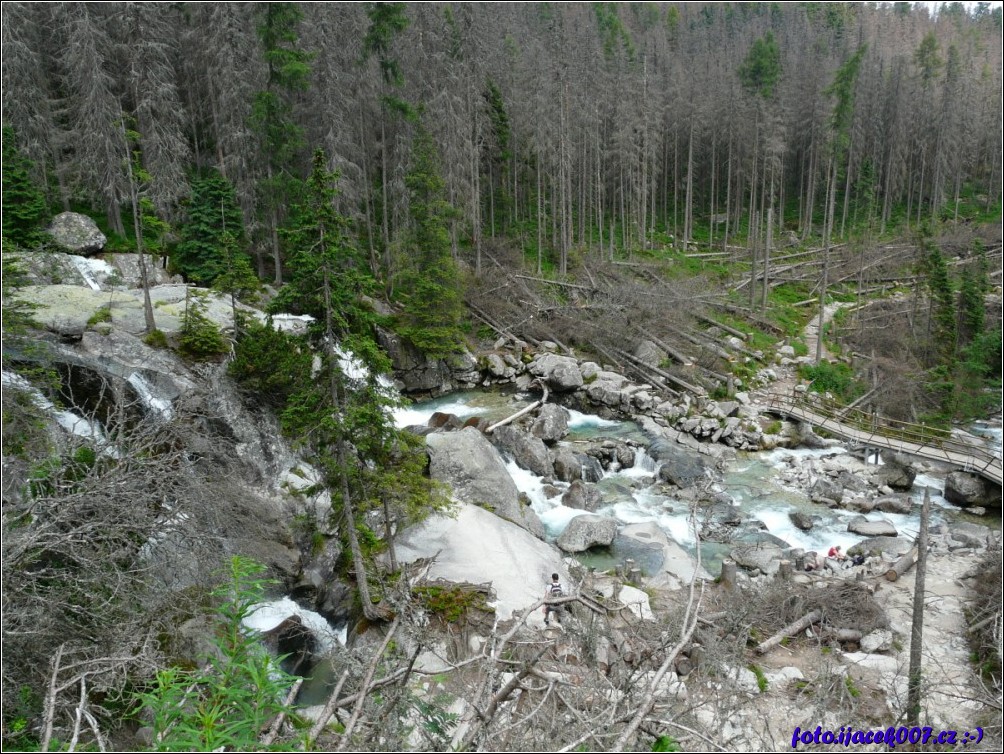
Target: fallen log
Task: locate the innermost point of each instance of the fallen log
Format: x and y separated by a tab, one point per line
901	566
722	326
790	630
522	412
665	375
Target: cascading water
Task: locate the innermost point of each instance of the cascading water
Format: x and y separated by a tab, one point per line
72	422
91	270
161	406
753	482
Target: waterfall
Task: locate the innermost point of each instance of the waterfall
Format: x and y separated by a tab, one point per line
162	406
72	422
88	268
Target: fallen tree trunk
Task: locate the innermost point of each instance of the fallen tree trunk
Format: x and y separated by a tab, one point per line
677	356
722	326
522	412
665	375
790	630
901	566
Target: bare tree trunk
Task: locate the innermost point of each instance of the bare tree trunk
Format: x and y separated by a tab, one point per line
827	231
540	222
917	627
766	254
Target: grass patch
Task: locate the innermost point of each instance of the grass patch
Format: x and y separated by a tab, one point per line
827	377
101	314
156	339
761	679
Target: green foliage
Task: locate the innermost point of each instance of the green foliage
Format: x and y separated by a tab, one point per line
25	425
387	20
761	679
156	339
943	301
61	474
927	58
761	70
323	259
229	703
450	603
101	314
272	364
201	255
430	288
18	732
843	89
24	207
613	34
829	377
665	743
199	337
852	689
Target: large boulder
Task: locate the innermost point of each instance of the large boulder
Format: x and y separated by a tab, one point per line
527	451
592	469
897	472
587	531
764	557
477	547
475	471
825	489
561	373
76	233
894	504
801	520
678	467
567	466
551	423
968	490
878	546
678	567
417	373
649	353
862	526
582	496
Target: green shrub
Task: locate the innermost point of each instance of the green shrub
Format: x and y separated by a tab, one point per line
853	690
102	314
835	378
227	705
761	679
156	339
451	604
200	338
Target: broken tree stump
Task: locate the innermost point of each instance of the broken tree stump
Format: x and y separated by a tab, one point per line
901	566
728	573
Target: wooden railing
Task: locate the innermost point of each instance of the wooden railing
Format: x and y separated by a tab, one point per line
870	429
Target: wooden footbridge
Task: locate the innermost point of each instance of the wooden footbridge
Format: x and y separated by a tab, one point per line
871	431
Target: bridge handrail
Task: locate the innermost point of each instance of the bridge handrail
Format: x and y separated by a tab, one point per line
890	429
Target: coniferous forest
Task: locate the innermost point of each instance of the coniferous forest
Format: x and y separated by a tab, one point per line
449	191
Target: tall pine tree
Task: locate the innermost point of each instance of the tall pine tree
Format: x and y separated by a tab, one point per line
279	133
430	288
24	208
212	212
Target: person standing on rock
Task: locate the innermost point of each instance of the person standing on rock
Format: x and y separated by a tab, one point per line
554	590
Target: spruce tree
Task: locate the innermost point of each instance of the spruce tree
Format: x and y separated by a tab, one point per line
272	118
430	289
24	208
365	461
212	212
